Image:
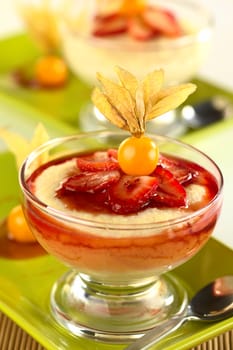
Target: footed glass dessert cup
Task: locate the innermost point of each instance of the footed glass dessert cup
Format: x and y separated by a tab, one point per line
97	35
117	286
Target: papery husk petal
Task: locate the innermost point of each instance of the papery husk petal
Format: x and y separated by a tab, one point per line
140	108
127	80
21	147
121	99
16	144
100	100
40	136
152	84
170	98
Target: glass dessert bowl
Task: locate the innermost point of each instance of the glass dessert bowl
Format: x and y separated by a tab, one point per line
98	35
118	242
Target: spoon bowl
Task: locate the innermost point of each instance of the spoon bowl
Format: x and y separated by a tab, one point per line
206	112
215	301
212	303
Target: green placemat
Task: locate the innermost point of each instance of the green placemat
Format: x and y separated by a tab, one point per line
21	109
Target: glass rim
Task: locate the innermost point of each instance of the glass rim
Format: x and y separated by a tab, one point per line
97	224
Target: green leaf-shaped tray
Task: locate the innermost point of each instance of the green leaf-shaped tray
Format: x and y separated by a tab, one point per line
25	284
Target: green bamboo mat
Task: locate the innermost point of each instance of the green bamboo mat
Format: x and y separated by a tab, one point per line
13	337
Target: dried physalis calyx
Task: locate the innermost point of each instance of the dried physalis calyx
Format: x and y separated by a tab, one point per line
129	105
20	147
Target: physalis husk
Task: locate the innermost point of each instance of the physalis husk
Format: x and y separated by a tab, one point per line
17	226
22	147
131	103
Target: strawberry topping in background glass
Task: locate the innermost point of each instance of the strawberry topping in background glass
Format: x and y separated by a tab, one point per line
141	36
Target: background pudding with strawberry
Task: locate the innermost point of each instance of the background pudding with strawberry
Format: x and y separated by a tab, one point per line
139	35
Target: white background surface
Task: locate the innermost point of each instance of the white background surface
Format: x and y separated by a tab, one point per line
217	69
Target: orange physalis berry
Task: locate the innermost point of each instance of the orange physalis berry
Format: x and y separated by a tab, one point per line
17	226
132	7
138	156
51	71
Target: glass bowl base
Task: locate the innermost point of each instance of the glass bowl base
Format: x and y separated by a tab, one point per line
115	313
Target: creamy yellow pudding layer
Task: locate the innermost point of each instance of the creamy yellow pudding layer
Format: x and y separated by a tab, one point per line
45	190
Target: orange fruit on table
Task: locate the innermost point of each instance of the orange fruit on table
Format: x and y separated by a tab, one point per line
51	71
17	226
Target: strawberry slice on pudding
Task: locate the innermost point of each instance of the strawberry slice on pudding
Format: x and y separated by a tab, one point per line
131	193
109	25
170	192
162	21
91	181
143	24
98	161
138	29
182	171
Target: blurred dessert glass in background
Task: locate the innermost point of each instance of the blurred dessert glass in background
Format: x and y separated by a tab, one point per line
139	35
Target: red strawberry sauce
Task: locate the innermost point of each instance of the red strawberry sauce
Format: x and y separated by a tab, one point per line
157	248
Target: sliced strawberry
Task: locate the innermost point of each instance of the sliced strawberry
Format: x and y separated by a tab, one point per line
204	178
162	20
131	193
98	161
90	181
169	192
178	168
109	25
140	30
112	153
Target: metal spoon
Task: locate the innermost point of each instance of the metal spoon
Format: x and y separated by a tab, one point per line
192	117
214	302
206	112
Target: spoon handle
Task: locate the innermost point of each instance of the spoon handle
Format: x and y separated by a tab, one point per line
157	333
